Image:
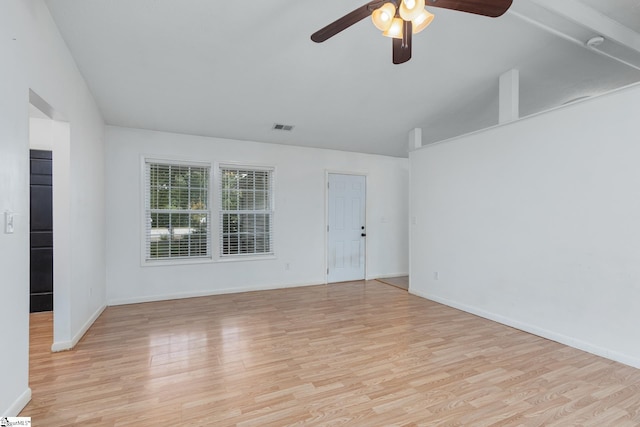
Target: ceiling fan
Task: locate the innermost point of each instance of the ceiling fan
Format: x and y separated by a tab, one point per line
400	19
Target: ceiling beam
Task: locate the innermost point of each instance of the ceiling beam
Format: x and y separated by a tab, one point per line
588	17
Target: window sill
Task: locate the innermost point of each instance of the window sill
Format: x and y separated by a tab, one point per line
247	258
175	262
207	260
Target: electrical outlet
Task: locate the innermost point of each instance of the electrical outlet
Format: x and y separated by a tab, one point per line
287	266
8	222
436	275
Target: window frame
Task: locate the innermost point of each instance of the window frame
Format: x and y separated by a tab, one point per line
220	168
146	260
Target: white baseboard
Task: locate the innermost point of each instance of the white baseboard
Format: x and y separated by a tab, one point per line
532	329
181	295
68	345
19	404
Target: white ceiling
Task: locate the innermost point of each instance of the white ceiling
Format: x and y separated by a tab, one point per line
626	12
232	69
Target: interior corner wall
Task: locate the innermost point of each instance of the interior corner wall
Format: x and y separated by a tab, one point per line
35	57
299	229
536	224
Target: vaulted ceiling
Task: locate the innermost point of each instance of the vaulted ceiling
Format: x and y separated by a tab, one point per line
233	69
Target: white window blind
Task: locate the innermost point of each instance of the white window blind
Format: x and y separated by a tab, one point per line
246	211
177	213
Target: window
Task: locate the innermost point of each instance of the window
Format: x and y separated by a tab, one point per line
246	211
177	213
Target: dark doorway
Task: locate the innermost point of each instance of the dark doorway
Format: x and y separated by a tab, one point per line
41	231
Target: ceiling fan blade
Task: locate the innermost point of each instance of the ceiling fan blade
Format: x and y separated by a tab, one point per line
346	21
402	47
491	8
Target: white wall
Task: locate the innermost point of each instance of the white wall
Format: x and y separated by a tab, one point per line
537	224
299	217
34	56
40	134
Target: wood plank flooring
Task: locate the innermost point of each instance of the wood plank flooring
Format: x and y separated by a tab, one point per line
356	354
401	282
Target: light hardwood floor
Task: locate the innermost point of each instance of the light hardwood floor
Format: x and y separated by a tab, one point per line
401	282
356	354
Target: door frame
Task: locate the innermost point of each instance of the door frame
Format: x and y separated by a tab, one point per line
328	172
62	224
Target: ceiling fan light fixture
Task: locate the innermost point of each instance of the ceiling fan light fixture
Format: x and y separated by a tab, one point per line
422	21
382	17
407	17
395	30
410	9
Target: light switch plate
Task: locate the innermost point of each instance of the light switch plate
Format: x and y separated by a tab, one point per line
8	222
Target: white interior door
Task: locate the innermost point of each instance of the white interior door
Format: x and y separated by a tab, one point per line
346	228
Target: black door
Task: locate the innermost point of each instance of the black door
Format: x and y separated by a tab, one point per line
41	231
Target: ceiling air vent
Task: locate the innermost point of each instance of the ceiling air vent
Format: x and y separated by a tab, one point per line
278	126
